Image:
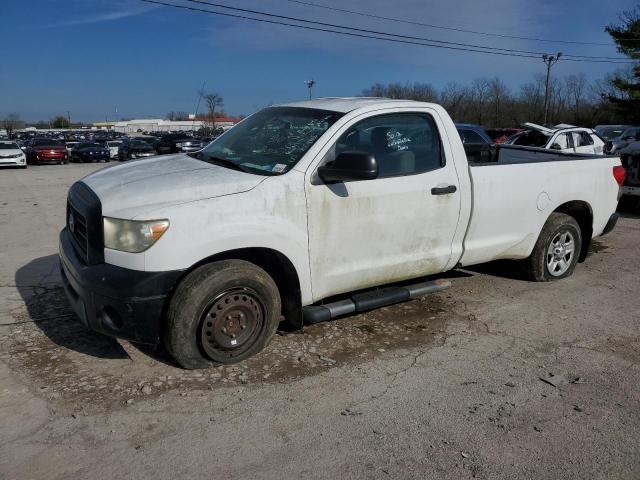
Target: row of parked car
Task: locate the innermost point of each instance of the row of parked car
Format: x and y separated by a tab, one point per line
618	140
41	150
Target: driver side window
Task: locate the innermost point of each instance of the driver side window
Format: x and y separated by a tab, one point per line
403	143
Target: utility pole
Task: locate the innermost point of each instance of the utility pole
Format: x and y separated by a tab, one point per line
549	60
310	84
195	116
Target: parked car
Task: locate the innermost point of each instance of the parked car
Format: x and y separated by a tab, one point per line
11	155
610	132
113	146
46	150
151	140
563	138
630	156
309	200
501	135
90	152
70	146
477	144
169	143
191	145
133	148
470	133
624	139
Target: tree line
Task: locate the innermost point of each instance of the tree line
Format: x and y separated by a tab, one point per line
489	102
573	99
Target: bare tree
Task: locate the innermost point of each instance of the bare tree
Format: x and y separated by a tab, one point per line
498	94
480	92
423	92
11	123
213	101
455	98
576	87
489	102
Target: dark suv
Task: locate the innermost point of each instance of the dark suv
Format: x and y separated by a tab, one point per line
168	143
134	148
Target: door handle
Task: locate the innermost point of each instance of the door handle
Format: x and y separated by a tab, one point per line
444	190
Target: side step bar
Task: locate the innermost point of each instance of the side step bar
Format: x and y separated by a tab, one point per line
362	302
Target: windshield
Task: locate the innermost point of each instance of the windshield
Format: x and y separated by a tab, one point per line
46	142
9	146
629	132
272	141
610	133
529	138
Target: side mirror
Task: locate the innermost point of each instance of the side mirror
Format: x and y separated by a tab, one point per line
628	138
556	146
350	166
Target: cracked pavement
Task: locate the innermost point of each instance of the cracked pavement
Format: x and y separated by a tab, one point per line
447	386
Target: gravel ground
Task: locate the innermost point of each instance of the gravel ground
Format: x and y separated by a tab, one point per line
448	386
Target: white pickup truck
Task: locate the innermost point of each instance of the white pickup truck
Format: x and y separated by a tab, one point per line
300	204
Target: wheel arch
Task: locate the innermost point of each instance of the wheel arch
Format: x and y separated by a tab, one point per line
277	265
582	212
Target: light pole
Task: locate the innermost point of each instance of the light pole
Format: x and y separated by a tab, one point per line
310	84
549	60
69	117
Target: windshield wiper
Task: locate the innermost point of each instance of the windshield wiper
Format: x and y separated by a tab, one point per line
223	162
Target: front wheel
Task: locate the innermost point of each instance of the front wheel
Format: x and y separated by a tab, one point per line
557	250
223	312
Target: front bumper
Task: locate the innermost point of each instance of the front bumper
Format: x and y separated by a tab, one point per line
143	154
112	300
51	158
93	158
13	162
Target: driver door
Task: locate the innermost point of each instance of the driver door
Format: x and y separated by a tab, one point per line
373	232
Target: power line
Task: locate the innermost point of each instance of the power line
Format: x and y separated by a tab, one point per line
349	34
376	32
441	27
478	49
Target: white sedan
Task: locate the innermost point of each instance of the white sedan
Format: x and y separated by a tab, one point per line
113	146
564	138
11	155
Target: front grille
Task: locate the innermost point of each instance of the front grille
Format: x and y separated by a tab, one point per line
84	223
77	225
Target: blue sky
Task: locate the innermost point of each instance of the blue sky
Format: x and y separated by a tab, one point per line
92	57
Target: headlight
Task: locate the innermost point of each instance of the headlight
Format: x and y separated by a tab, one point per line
132	236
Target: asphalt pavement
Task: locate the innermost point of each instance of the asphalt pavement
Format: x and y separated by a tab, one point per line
497	377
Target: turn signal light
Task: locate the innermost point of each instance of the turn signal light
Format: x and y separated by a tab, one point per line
619	173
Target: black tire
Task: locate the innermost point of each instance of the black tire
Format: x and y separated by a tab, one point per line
537	266
248	301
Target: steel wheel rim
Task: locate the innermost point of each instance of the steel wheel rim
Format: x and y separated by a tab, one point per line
560	253
232	322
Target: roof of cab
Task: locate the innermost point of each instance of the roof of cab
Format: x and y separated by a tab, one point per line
348	104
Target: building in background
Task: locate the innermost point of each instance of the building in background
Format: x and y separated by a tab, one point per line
161	125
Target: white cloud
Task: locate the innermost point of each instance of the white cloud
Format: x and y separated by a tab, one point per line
109	12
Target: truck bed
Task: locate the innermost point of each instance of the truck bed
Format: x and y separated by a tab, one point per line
480	154
516	189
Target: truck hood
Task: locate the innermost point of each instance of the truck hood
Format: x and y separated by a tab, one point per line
133	189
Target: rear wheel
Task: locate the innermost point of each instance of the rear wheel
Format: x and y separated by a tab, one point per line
222	312
556	252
